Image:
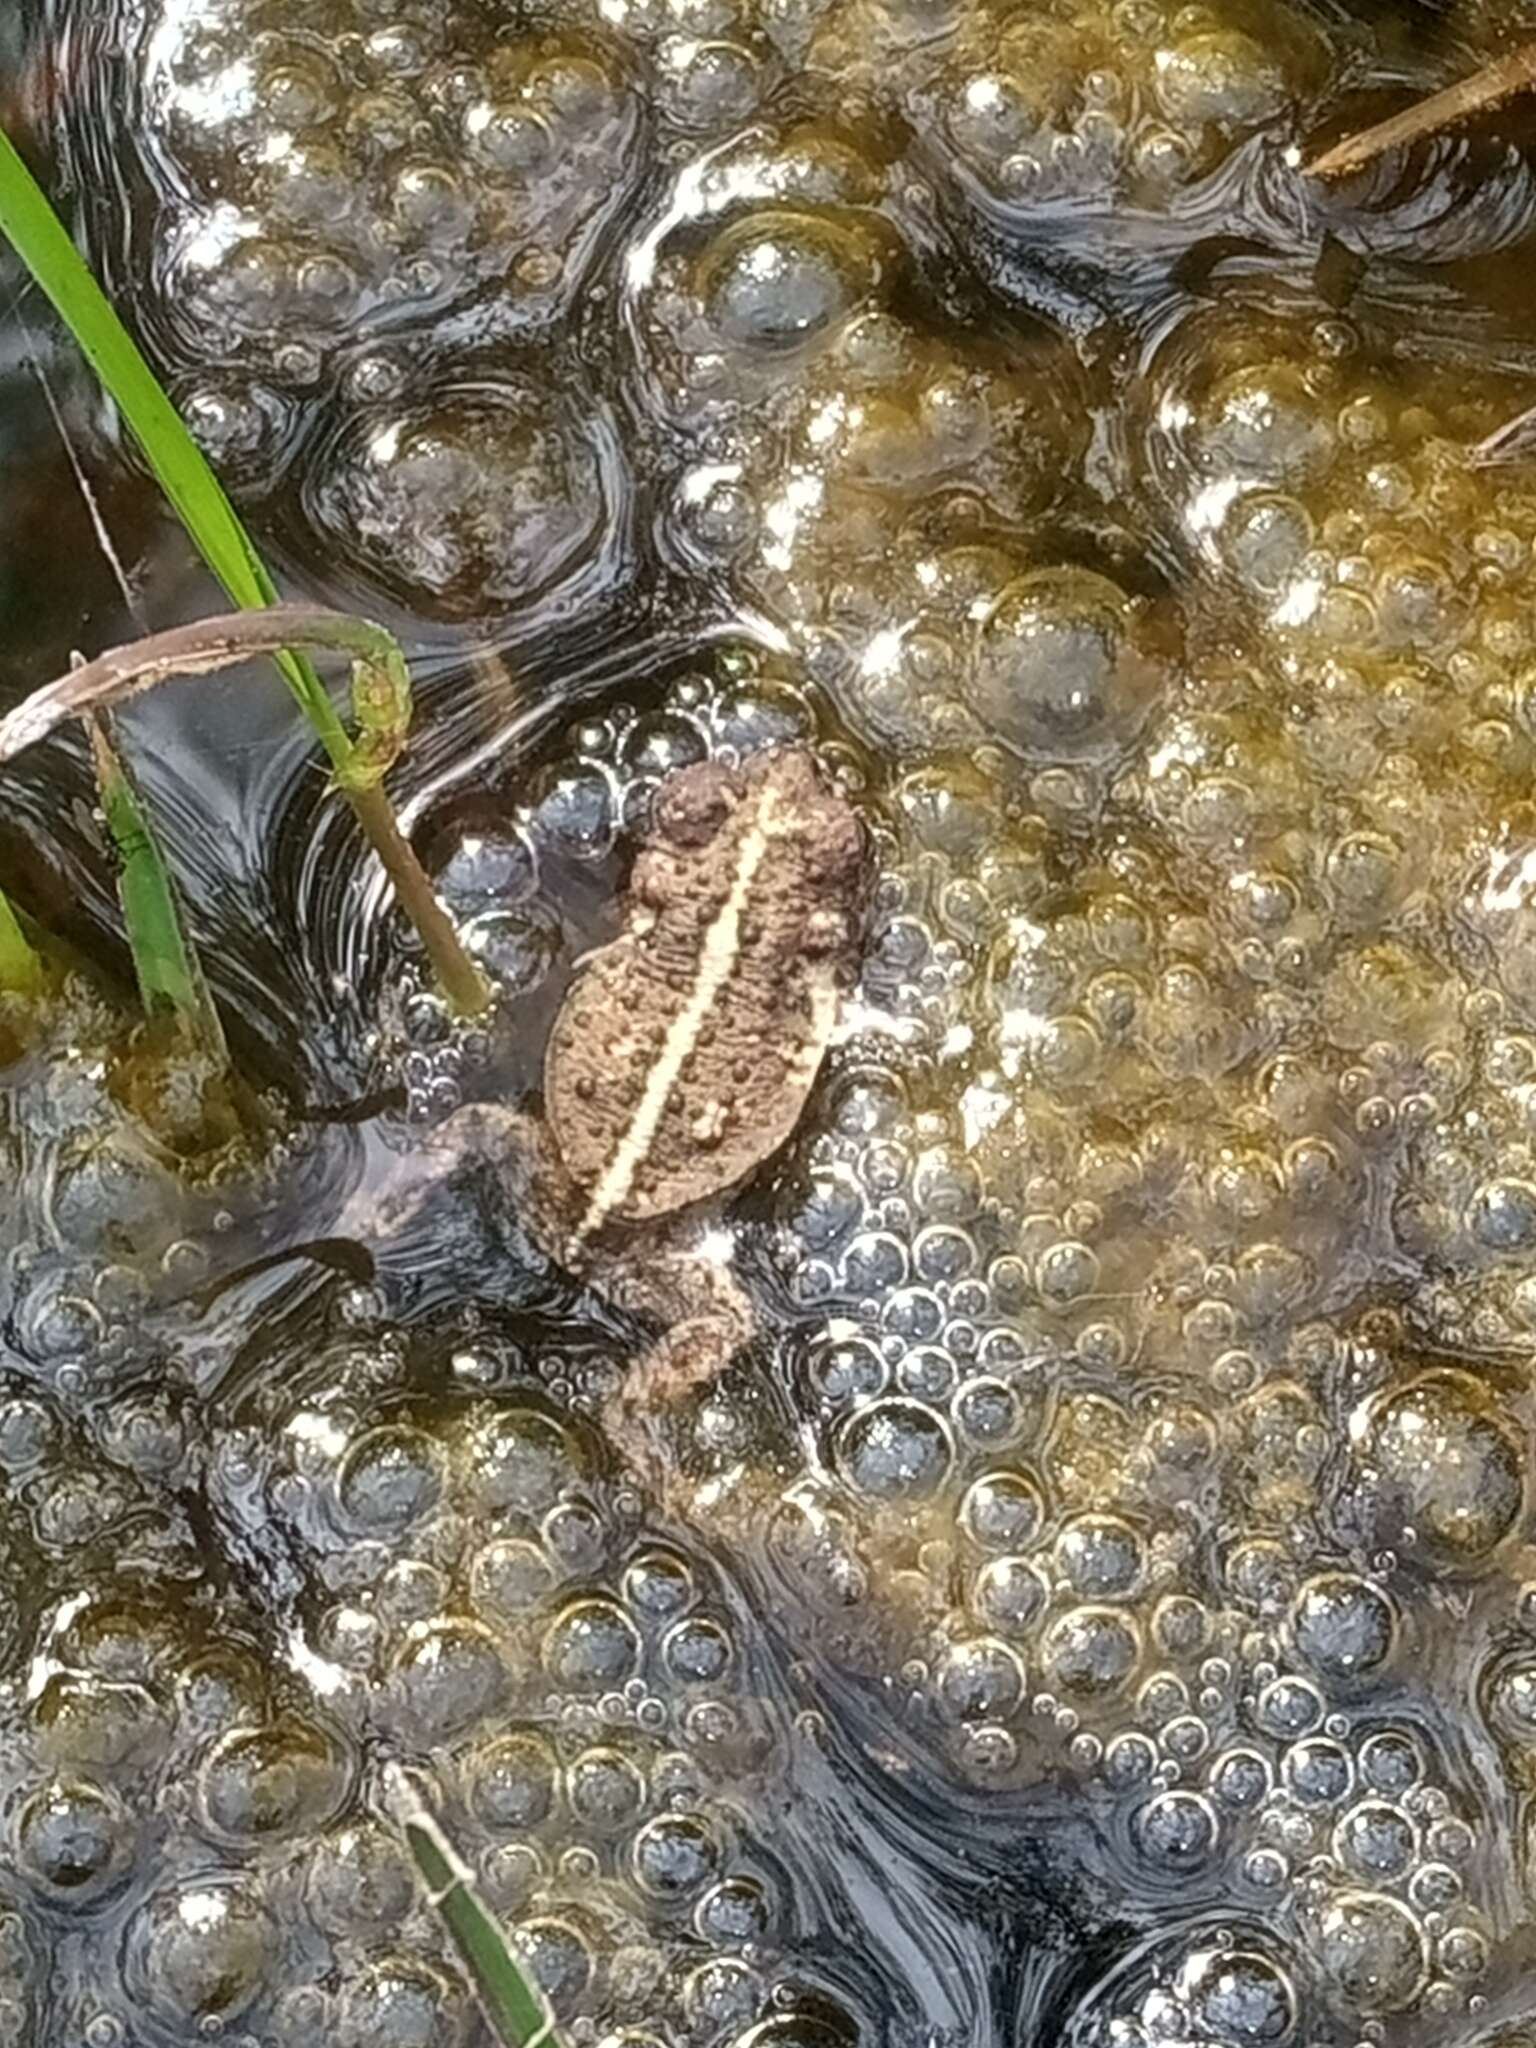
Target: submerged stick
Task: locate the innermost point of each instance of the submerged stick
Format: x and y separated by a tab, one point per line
515	2008
1486	88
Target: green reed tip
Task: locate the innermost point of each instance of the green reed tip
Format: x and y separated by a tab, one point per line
169	974
22	972
515	2008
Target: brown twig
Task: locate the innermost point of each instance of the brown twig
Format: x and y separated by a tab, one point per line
222	642
191	650
1513	438
1486	88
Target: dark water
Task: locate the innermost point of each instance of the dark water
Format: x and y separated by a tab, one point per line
1100	1608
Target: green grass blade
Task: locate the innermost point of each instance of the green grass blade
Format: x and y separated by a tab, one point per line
38	236
170	978
21	968
514	2006
29	223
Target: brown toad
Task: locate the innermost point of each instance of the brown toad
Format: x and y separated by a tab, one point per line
684	1052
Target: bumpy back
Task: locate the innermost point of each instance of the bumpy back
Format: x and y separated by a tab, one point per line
684	1051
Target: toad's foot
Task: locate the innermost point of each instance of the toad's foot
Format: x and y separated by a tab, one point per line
706	1320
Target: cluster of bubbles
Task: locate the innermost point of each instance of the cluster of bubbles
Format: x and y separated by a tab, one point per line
465	1588
365	222
1136	1454
847	469
1134	1546
1120	1454
372	167
1129	104
390	254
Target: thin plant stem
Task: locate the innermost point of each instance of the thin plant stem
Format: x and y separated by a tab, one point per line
1510	441
1498	81
30	224
459	978
22	972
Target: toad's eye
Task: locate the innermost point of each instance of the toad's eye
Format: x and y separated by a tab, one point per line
693	804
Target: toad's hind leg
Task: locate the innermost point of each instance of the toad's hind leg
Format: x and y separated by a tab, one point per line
705	1320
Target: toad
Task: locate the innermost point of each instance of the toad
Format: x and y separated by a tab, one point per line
683	1054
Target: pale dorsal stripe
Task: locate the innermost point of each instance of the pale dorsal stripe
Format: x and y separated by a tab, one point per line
717	959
